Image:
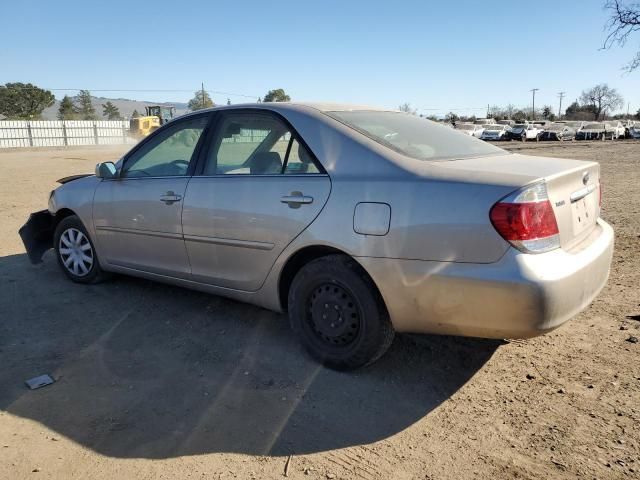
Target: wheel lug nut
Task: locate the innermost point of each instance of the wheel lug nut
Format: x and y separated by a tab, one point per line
324	317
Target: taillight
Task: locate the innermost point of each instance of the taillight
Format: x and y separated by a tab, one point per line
526	220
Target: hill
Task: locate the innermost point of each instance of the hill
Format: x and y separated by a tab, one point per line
125	105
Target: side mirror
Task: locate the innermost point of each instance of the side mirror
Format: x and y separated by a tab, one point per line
106	170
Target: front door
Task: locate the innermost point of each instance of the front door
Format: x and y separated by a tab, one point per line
137	216
260	187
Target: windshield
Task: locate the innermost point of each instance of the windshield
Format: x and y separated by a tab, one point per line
413	136
518	126
556	127
594	126
494	127
465	127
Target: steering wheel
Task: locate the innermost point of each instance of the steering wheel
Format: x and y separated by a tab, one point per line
181	162
181	165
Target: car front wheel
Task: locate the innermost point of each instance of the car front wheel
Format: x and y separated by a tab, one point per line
338	314
76	253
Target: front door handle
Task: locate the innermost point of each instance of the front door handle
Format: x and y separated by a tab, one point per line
170	198
296	199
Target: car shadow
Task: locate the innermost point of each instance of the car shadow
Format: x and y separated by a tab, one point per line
154	371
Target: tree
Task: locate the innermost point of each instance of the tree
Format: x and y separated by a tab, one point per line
84	106
110	111
519	115
451	117
575	111
24	100
135	114
407	108
547	113
200	100
624	20
277	95
638	114
602	99
67	110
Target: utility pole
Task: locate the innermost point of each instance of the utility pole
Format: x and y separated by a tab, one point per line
561	96
204	104
533	106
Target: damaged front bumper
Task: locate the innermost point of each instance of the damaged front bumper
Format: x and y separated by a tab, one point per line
37	235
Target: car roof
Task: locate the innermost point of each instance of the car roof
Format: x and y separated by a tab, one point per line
320	106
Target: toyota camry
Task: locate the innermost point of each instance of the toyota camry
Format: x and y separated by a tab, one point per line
358	222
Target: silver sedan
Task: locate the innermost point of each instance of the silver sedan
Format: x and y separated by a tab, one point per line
357	221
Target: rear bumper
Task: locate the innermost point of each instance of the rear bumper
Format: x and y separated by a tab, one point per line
519	296
37	235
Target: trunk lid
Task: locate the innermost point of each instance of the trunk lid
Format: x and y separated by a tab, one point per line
575	198
573	186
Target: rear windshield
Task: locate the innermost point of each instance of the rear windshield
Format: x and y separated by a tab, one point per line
414	136
594	126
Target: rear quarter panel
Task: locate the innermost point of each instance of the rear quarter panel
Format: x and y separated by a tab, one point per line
430	220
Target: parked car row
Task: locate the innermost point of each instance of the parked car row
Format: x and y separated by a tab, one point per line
558	131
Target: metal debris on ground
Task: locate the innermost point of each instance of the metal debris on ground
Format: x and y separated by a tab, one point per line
286	466
39	381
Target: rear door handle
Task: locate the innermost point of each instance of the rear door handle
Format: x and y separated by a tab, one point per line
296	199
170	198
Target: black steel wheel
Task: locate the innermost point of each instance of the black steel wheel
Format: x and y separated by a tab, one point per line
333	314
338	314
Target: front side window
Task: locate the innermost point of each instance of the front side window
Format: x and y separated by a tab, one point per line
256	144
169	152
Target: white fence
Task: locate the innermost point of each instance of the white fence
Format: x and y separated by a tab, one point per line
58	133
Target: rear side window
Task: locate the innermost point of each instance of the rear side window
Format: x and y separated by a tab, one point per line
415	137
300	160
256	144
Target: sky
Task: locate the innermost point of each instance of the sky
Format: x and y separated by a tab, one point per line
438	56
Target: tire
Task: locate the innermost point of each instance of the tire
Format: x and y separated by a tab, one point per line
355	330
523	138
76	253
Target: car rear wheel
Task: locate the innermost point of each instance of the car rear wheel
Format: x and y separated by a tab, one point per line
338	314
76	253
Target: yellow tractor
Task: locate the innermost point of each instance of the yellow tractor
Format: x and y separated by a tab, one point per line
156	116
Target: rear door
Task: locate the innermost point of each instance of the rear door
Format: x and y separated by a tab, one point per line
137	216
258	188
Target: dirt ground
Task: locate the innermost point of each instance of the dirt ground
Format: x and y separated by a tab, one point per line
155	381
